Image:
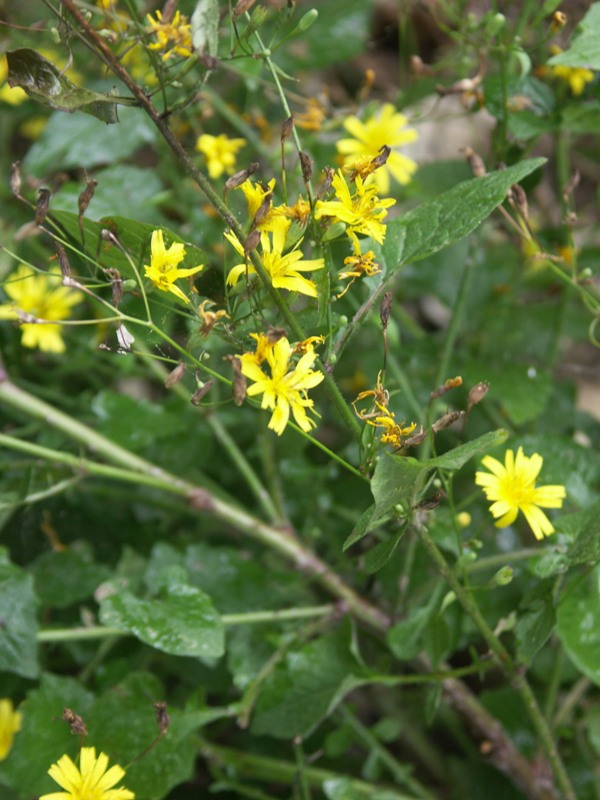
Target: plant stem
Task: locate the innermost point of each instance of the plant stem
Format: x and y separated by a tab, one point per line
514	674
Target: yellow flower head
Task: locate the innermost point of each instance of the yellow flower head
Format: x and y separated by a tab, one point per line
219	152
173	37
163	270
358	265
284	269
92	781
362	210
41	299
13	96
285	389
10	723
300	211
387	128
511	488
575	77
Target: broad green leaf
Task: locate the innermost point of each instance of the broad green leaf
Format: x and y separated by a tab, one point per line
183	623
577	622
45	83
134	236
521	391
82	141
585	47
379	555
451	216
406	638
534	627
458	457
307	686
586	547
18	607
123	723
367	521
205	27
66	577
44	737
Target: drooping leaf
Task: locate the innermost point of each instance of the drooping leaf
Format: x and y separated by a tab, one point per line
451	216
534	627
379	555
577	622
205	27
18	613
407	637
183	622
44	82
585	47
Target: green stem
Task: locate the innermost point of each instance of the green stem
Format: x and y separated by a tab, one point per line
275	770
399	772
250	618
514	674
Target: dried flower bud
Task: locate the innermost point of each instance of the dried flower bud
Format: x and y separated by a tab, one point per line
451	383
286	129
201	392
175	375
475	162
162	717
76	723
240	384
326	184
518	199
416	439
447	420
85	197
43	206
385	309
572	184
63	261
477	393
240	177
242	6
15	179
306	165
381	159
260	215
252	240
116	285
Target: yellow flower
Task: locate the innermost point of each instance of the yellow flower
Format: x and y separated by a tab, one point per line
10	723
219	152
14	96
388	128
35	303
283	269
357	266
173	37
163	270
362	211
511	488
286	388
92	781
576	77
256	193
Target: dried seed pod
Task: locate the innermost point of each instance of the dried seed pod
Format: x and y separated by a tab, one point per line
252	241
162	717
15	179
326	184
201	392
63	261
240	384
416	439
448	419
385	310
306	165
240	177
43	206
287	129
477	393
274	334
76	723
451	383
475	162
242	6
381	159
260	215
518	200
85	197
175	375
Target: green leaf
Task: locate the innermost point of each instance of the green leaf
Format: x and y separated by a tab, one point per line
44	738
406	639
451	216
379	555
534	627
585	47
45	83
348	789
307	686
577	622
205	27
18	629
123	724
66	577
458	457
183	623
586	547
82	141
